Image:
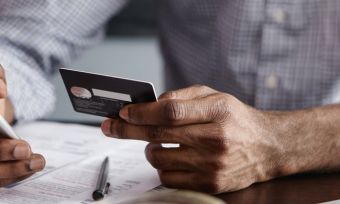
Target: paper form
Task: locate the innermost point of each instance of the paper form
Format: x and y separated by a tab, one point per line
62	144
73	175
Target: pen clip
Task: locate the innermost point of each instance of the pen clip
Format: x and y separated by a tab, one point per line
106	190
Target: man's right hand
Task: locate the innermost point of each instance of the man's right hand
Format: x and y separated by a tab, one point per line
17	161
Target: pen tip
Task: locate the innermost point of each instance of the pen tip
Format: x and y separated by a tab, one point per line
97	195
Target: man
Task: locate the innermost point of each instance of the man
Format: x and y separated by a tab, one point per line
268	69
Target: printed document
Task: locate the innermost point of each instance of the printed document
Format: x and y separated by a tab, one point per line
74	154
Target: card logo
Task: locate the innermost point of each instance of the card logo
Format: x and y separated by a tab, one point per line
81	92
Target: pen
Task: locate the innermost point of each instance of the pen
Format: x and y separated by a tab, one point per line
6	129
102	186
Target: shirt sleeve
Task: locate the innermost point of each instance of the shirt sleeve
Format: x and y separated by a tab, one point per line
39	36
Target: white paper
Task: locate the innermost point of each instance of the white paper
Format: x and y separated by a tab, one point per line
333	202
62	144
74	154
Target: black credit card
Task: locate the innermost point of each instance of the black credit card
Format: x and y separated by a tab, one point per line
102	95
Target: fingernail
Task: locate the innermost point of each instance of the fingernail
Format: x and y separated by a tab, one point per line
21	151
124	113
106	127
37	163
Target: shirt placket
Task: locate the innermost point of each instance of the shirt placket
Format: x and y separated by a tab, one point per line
282	20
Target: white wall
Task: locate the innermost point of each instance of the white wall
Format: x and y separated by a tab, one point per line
136	58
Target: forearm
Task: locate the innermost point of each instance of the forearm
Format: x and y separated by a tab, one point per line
309	140
33	46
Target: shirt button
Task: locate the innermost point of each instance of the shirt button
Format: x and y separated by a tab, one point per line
272	82
279	16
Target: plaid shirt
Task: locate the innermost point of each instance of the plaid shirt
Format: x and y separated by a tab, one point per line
271	54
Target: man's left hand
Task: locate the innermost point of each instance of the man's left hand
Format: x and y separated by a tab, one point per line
225	145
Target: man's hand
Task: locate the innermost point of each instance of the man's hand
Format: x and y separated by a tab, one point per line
17	161
226	145
223	143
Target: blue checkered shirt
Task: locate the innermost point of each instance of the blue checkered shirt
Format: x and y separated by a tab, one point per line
271	54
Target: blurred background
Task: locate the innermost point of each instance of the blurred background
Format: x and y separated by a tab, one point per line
129	50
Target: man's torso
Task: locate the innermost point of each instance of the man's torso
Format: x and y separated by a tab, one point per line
270	54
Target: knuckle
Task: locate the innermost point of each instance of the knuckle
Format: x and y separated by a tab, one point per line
221	110
135	114
168	95
218	130
221	144
217	143
220	139
202	87
119	129
156	133
26	145
173	111
215	166
8	146
223	101
188	137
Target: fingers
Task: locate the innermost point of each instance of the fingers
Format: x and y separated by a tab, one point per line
176	112
14	150
170	158
123	130
15	169
196	91
190	135
17	161
185	169
6	182
177	179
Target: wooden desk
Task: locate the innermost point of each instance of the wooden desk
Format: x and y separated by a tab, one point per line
312	188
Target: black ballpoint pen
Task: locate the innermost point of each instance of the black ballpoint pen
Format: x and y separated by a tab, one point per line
102	186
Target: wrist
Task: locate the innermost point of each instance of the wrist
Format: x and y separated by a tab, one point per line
286	130
308	140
